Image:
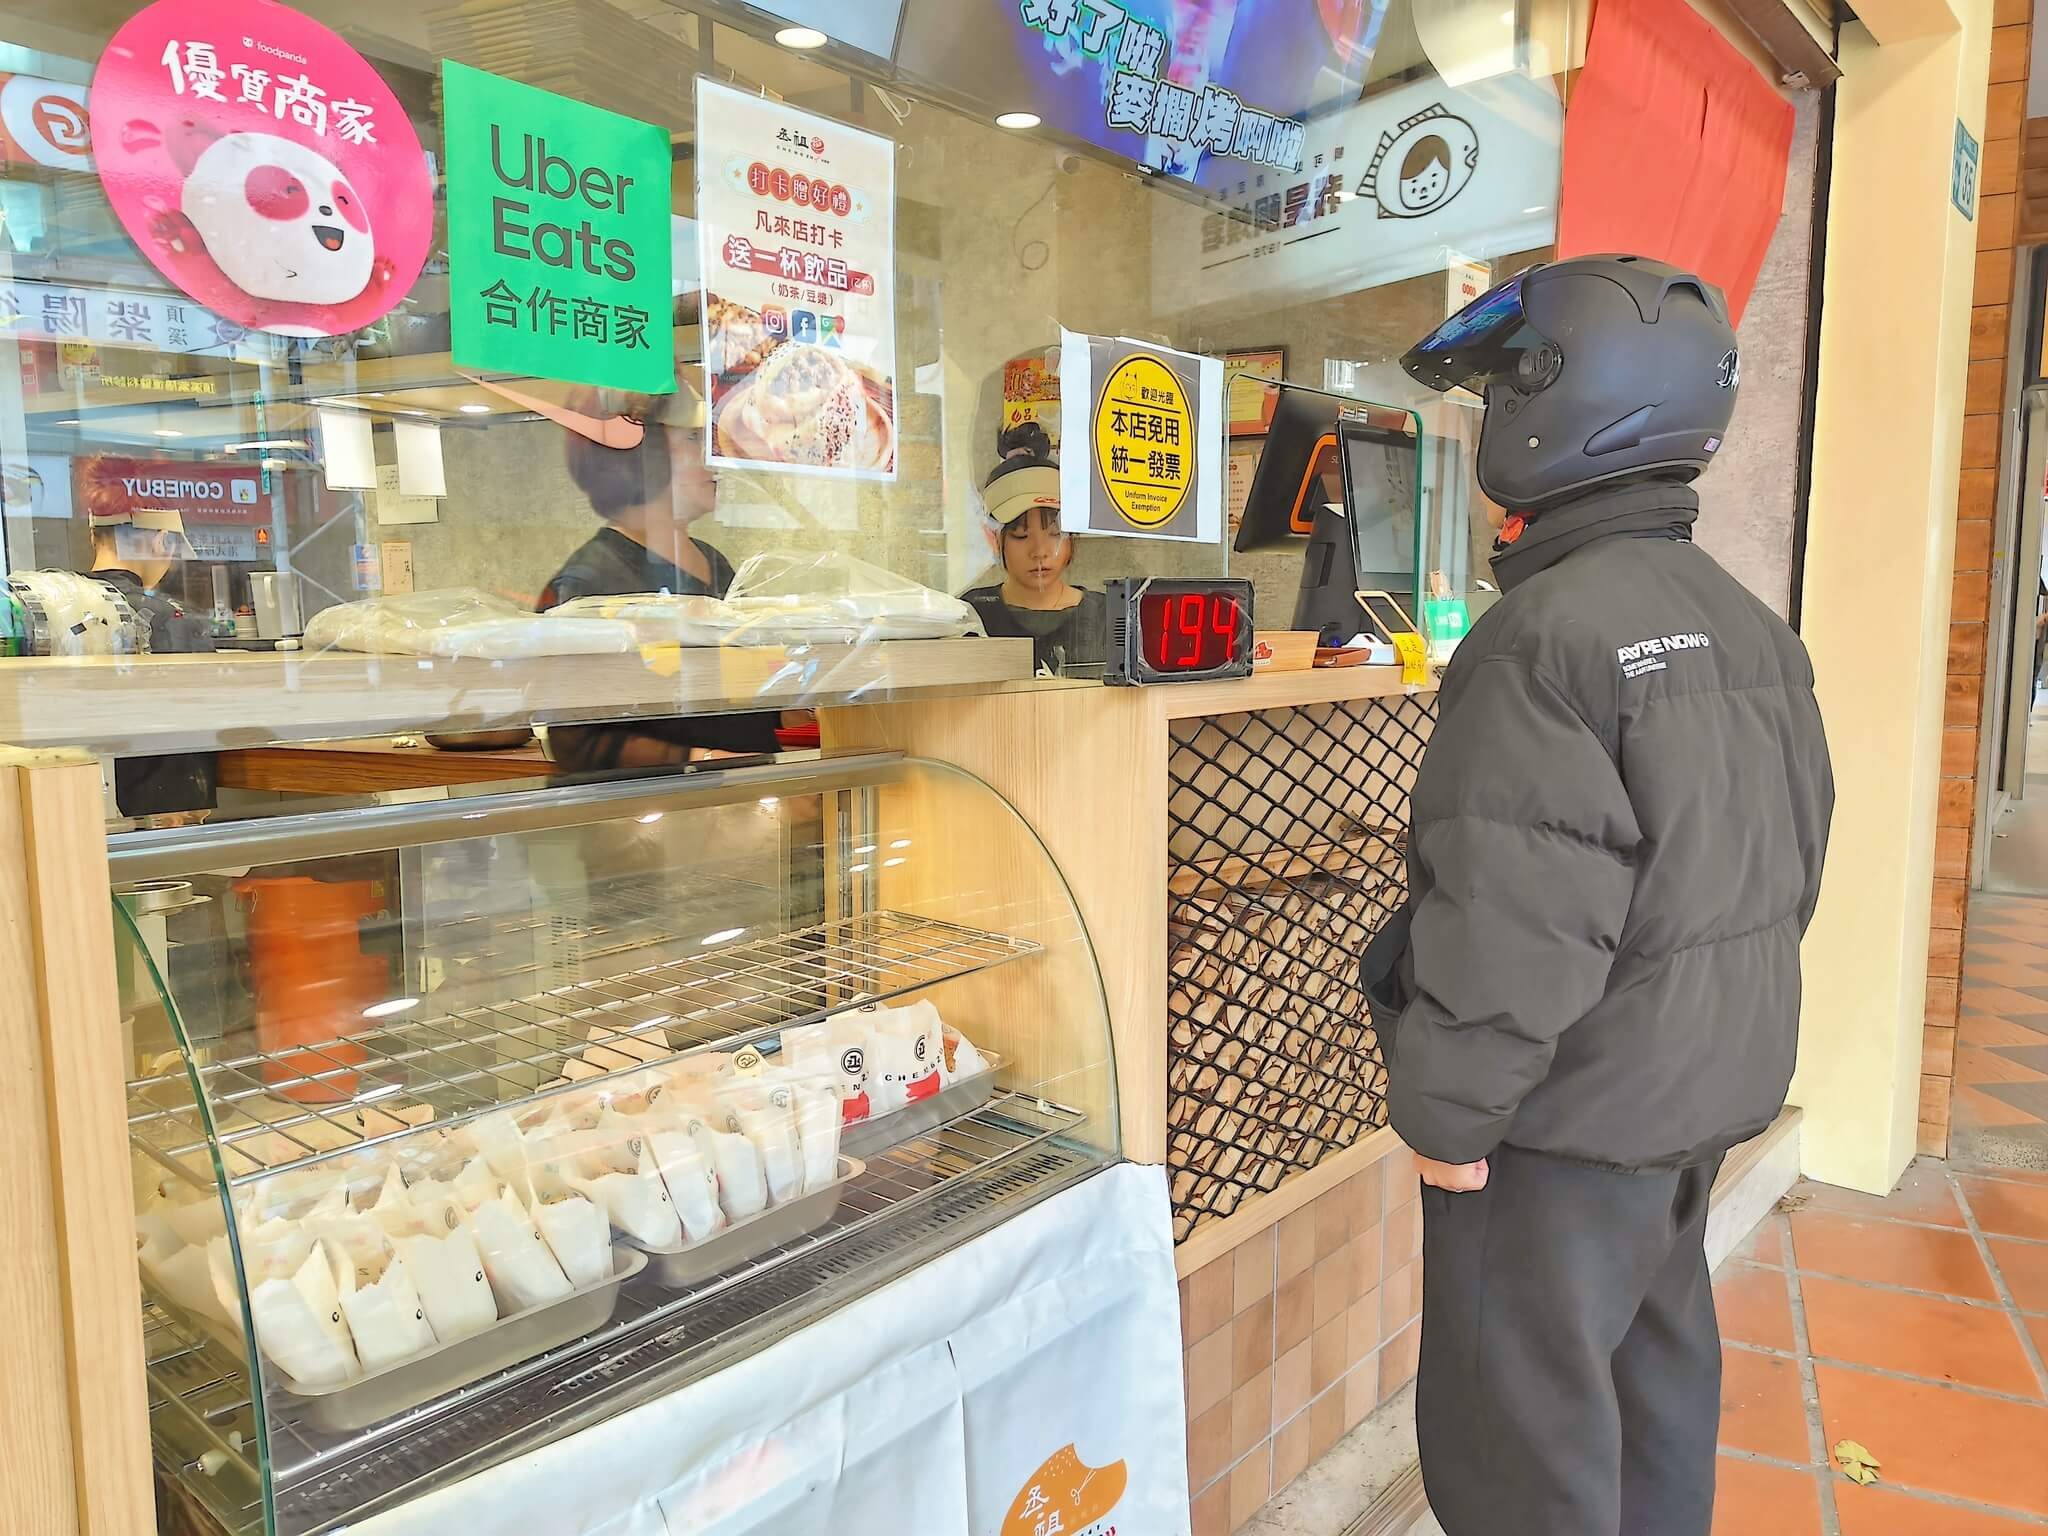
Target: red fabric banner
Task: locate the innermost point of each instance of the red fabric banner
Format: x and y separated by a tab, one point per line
1674	147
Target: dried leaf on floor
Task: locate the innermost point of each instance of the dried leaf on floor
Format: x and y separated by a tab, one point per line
1856	1462
1787	1204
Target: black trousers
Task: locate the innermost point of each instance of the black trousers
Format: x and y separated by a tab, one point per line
1570	1381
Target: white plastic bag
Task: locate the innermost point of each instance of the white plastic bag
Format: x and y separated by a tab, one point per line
660	618
635	1198
692	1185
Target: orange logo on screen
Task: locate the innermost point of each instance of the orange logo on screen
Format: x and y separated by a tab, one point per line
1065	1497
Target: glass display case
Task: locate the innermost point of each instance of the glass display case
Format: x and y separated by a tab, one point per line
487	1115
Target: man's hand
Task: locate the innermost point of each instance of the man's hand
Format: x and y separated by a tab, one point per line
1458	1178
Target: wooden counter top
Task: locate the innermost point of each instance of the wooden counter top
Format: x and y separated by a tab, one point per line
371	764
1282	690
139	704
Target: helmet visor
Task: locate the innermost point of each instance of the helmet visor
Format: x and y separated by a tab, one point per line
1482	341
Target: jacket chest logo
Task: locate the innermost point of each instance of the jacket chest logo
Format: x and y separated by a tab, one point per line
1652	655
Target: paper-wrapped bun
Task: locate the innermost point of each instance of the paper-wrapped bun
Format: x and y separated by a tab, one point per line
742	1187
610	1049
183	1274
448	1272
637	1202
962	1059
692	1185
577	1230
197	1220
817	1130
522	1268
766	1120
386	1318
498	1140
300	1325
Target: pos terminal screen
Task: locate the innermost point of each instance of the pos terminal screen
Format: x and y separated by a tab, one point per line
1379	490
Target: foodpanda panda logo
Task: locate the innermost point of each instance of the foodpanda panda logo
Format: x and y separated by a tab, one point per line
280	220
1421	164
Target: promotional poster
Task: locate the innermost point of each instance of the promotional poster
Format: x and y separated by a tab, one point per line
261	165
795	218
1151	420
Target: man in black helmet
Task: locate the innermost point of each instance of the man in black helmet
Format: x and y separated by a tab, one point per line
1593	993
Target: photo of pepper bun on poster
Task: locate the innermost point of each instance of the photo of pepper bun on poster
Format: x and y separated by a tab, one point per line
261	165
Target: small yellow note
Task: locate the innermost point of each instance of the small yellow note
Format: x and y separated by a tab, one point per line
1414	657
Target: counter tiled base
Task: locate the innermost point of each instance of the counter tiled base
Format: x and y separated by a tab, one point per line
1295	1336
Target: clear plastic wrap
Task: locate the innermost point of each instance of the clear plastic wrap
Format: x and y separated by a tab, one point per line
461	621
782	598
788	597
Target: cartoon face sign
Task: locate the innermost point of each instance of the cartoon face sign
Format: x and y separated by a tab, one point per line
280	220
261	165
1422	164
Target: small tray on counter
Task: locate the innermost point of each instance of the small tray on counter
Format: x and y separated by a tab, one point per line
676	1268
508	1342
962	1096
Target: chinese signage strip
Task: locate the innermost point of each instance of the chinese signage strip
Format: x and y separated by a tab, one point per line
1152	423
31	310
558	236
1149	92
795	219
261	165
1406	182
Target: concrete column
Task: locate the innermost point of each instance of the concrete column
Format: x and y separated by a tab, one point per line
1879	557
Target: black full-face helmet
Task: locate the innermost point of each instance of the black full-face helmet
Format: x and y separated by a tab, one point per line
1594	370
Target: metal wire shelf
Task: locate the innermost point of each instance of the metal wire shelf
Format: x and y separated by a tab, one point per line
290	1108
938	1188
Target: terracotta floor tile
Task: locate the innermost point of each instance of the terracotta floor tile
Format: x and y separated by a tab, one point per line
2006	973
2008	1002
1979	1065
2025	1267
1750	1499
1880	1512
1917	1335
1973	1106
1989	1030
1923	1195
2009	1210
1761	1409
1765	1243
1920	1258
1754	1306
2038	1327
1941	1440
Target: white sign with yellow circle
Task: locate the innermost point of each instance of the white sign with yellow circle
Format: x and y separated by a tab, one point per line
1152	422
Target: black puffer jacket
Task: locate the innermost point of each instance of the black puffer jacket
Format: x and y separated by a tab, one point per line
1617	837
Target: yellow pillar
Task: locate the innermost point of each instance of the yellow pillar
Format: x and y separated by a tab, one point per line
1879	554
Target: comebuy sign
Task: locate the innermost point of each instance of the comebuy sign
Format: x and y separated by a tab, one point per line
200	493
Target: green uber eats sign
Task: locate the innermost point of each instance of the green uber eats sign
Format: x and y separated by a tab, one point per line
558	236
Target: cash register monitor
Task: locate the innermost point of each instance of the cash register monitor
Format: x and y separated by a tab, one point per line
1301	496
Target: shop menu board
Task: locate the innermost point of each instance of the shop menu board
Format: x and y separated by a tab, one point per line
558	237
261	165
795	223
1205	90
1152	420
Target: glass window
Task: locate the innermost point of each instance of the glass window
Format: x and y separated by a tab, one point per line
1300	190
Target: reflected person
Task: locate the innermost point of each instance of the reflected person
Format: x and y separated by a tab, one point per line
641	461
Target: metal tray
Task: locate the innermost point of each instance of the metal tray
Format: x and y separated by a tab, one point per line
676	1268
510	1341
864	1138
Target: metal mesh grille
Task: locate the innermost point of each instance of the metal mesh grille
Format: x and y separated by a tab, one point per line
1287	840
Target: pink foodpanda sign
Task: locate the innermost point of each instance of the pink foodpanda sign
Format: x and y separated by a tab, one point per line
261	165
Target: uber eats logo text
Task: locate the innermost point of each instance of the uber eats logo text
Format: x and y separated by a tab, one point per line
558	236
530	167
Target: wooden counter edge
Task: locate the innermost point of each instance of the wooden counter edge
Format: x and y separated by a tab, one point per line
1212	1239
1284	690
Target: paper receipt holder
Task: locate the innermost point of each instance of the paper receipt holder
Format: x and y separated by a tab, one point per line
1403	635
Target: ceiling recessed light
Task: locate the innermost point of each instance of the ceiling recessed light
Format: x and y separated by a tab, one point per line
267	442
476	409
1017	119
167	432
67	421
408	411
385	1010
801	37
1539	208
